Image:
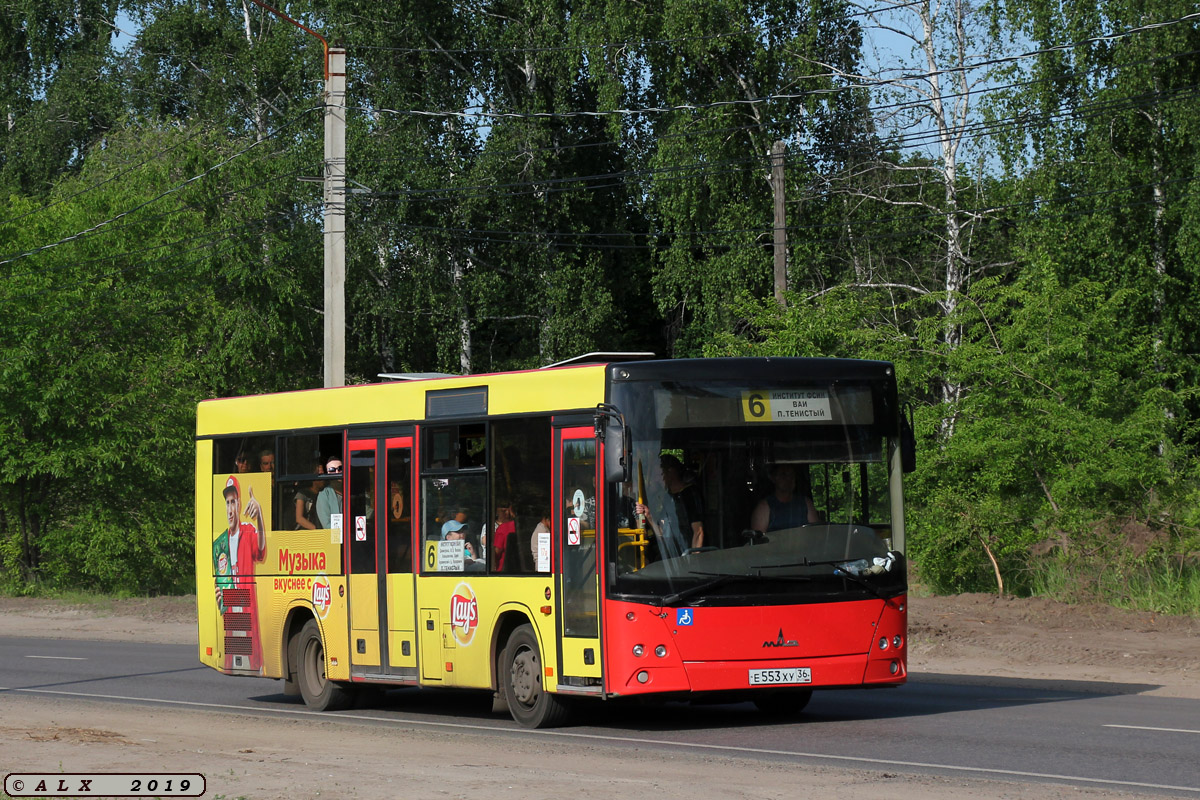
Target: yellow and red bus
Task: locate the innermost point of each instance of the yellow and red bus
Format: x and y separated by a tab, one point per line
692	529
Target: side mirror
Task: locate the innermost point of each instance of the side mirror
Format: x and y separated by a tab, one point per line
615	469
908	442
610	429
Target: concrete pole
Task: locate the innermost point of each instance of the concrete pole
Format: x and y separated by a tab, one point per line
335	219
780	223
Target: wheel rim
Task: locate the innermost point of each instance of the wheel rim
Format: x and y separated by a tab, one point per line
526	677
314	657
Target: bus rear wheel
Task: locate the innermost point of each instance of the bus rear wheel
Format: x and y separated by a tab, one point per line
319	693
521	681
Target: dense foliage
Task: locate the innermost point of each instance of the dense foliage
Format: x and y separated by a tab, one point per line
1005	210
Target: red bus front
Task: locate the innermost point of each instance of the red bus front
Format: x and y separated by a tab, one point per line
754	530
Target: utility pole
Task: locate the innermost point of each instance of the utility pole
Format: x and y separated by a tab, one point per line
335	218
780	224
335	203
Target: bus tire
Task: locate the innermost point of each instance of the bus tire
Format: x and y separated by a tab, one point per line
319	693
783	704
521	674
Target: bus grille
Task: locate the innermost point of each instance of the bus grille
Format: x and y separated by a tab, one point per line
236	597
237	622
238	645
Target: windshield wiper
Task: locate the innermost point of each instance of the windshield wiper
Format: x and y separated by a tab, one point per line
718	579
841	573
804	563
722	578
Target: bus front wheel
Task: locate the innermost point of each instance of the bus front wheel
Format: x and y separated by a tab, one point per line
319	693
521	680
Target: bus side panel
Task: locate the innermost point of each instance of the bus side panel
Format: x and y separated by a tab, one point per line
209	634
295	570
401	590
336	628
467	607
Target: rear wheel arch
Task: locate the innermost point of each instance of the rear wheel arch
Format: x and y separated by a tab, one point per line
293	623
508	621
320	692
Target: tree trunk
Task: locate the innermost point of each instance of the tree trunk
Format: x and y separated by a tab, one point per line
949	133
260	124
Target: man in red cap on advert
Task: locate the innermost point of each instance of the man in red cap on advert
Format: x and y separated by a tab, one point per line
234	552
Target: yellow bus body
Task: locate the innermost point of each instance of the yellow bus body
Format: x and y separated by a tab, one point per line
282	590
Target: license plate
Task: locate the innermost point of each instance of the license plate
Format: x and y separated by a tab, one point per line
780	677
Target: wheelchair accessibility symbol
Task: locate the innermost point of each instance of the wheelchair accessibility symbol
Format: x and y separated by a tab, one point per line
683	616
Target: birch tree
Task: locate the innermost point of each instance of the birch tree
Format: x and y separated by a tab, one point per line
929	170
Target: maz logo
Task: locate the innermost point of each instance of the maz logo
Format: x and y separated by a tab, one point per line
781	642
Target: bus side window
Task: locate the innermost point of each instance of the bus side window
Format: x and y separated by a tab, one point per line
299	466
244	454
453	483
520	484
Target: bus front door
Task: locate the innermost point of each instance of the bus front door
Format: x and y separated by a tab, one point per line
578	587
379	549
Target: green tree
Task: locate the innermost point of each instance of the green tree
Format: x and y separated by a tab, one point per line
122	311
59	91
1107	149
1059	433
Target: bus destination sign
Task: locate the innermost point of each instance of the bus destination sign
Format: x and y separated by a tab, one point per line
786	405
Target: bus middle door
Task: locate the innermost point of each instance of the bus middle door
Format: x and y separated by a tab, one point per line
578	587
379	533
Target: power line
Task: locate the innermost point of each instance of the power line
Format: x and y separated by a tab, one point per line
174	189
226	195
467	114
237	233
110	179
1058	48
586	145
625	45
50	270
974	130
539	237
856	84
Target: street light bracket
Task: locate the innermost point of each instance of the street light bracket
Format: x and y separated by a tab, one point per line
302	27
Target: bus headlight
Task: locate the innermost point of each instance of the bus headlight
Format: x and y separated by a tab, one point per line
897	641
638	650
883	643
661	651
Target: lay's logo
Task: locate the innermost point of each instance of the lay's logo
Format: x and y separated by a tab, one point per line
464	614
322	595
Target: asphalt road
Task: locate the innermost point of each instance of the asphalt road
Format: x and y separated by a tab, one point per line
1109	736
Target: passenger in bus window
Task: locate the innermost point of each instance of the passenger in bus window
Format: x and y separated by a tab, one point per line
455	531
329	501
504	555
788	506
627	507
306	501
242	460
689	511
266	461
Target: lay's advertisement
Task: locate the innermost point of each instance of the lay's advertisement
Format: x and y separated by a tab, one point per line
259	572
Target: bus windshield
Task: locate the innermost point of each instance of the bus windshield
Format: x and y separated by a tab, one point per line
751	494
